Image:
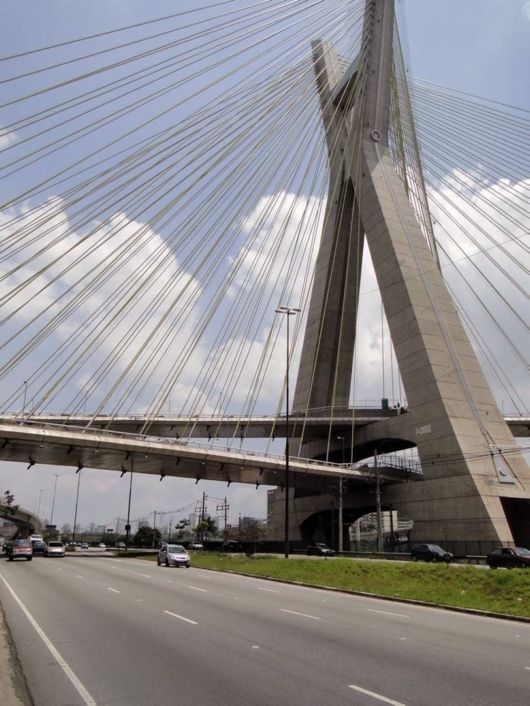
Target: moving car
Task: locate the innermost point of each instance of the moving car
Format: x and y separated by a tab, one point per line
510	557
39	547
319	549
55	549
173	555
430	552
20	549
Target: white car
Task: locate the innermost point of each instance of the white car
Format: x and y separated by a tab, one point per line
55	549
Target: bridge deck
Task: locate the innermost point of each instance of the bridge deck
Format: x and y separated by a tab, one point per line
33	443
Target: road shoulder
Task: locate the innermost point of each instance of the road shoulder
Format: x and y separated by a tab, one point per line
13	687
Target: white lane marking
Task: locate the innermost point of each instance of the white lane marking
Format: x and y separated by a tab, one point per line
78	576
114	590
386	612
303	615
196	588
181	617
147	576
402	638
527	668
375	696
76	682
255	647
269	590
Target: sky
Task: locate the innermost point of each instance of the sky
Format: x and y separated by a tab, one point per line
477	46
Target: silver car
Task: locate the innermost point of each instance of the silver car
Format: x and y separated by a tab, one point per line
173	555
55	549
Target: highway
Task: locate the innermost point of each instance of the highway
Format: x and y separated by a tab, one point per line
124	632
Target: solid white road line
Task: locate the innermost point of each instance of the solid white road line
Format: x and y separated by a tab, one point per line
375	696
269	590
76	682
181	617
114	590
386	612
196	588
303	615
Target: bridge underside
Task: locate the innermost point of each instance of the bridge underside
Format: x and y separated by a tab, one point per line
80	448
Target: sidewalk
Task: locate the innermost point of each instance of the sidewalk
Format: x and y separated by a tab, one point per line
13	689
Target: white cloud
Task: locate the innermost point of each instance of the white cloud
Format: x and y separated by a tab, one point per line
525	10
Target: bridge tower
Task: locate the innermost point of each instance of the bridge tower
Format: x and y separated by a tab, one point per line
476	483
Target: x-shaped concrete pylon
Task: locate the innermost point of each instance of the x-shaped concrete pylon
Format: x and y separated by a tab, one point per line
457	422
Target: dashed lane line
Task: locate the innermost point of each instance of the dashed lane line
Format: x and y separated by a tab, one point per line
303	615
73	678
196	588
181	617
269	590
374	695
114	590
386	612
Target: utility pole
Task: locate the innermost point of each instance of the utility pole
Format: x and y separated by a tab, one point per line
378	505
223	507
154	528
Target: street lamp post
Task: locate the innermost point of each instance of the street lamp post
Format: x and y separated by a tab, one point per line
287	311
38	503
76	502
341	493
53	500
128	525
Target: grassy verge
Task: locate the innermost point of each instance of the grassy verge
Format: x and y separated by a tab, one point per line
499	591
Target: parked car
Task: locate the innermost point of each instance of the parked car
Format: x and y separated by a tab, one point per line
121	545
84	545
430	552
39	547
55	549
102	545
319	549
195	546
173	555
20	549
231	546
510	557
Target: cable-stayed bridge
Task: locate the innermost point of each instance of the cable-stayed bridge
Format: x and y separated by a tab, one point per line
174	182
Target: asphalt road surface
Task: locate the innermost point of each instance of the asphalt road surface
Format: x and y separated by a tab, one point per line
105	631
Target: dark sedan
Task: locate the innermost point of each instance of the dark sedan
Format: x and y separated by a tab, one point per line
39	547
319	549
509	557
430	552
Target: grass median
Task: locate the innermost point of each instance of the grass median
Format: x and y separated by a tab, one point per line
501	591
